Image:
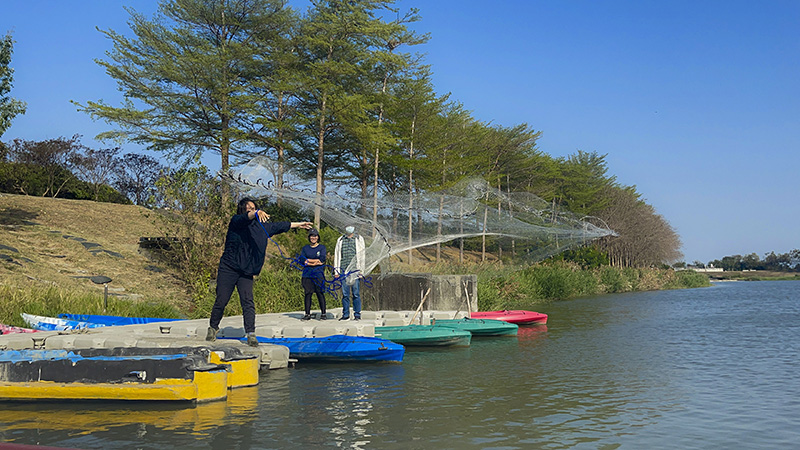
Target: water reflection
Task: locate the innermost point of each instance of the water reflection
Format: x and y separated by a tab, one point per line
531	332
332	404
83	418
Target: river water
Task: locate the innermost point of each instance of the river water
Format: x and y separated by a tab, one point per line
710	368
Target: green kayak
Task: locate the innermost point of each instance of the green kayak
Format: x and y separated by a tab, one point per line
480	327
424	335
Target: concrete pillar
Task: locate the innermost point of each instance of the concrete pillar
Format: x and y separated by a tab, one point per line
403	292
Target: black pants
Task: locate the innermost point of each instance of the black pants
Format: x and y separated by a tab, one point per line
226	281
314	286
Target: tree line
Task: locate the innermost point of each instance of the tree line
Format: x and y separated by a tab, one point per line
65	168
339	94
778	262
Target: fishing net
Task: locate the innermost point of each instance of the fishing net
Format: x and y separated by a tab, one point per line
521	223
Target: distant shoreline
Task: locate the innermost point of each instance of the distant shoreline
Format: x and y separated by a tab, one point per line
753	275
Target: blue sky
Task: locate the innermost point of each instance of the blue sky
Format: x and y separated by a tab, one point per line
697	103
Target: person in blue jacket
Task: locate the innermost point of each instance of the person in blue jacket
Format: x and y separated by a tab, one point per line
242	259
312	256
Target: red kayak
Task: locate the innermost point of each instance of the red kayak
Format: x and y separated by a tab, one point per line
518	317
9	329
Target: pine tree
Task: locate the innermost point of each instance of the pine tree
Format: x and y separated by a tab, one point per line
9	107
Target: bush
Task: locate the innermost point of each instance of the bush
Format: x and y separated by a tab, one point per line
31	179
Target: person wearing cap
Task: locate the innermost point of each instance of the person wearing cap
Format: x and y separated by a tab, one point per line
350	248
242	259
312	256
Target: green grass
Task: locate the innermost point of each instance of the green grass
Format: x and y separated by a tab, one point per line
51	301
278	289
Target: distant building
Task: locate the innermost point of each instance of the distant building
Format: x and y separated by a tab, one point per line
710	268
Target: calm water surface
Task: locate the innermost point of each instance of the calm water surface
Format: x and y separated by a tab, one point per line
700	368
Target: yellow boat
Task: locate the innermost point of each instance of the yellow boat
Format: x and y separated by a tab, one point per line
85	418
99	374
205	386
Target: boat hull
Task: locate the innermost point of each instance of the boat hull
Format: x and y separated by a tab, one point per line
113	320
66	375
339	348
518	317
480	327
425	336
10	329
43	323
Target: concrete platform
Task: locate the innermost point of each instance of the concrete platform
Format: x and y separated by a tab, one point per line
185	333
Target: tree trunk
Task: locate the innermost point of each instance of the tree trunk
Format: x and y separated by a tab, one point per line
320	162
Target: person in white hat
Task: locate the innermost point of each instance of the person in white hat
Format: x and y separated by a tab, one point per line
349	248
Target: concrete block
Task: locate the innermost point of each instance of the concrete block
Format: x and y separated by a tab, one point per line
298	331
329	330
270	331
188	330
403	291
274	356
17	341
90	341
231	332
394	322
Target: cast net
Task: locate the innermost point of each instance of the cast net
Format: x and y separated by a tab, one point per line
393	224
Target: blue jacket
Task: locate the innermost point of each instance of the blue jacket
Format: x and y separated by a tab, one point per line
246	243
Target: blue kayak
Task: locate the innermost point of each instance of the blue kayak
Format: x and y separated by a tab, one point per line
338	348
113	320
328	349
43	323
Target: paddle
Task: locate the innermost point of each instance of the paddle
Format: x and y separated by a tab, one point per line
469	306
422	302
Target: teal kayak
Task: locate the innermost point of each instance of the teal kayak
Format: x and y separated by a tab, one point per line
480	327
424	335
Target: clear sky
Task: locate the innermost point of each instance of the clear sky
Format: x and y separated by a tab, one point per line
697	103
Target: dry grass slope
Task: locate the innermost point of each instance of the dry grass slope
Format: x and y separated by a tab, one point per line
60	242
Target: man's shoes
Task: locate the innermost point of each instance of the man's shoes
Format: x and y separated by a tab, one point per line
323	316
211	336
252	340
306	317
357	318
344	318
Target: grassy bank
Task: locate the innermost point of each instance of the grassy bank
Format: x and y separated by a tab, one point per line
504	289
278	289
51	301
754	275
50	248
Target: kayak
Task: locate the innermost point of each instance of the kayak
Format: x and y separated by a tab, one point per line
113	320
425	335
337	348
10	329
479	327
518	317
43	323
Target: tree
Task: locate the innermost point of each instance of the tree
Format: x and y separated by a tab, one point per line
9	107
275	86
54	156
185	76
338	44
644	237
136	177
96	167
